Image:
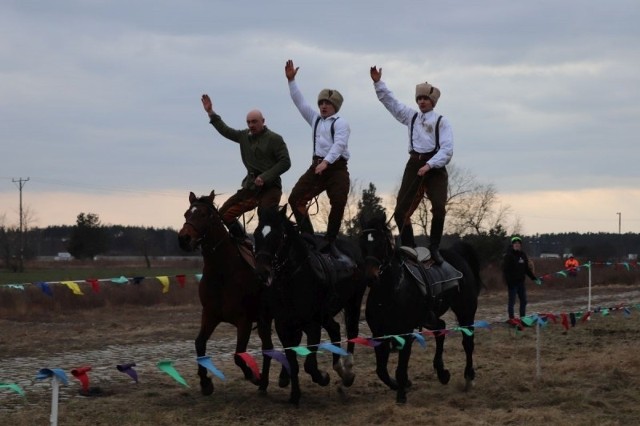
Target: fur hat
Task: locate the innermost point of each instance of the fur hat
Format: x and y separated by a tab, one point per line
425	89
332	96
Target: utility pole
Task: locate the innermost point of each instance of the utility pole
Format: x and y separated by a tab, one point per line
21	182
619	223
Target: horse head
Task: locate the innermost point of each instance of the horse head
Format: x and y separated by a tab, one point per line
376	244
202	222
270	236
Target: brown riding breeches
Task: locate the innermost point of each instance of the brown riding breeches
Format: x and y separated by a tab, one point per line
245	200
334	180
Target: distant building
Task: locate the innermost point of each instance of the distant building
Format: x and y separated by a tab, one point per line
549	256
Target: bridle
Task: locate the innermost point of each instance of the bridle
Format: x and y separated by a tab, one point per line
202	232
387	255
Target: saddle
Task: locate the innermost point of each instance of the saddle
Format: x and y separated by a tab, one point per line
327	268
245	248
432	279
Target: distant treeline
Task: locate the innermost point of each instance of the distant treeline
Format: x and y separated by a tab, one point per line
120	241
140	241
590	246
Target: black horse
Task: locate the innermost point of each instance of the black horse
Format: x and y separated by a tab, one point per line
306	290
229	290
397	306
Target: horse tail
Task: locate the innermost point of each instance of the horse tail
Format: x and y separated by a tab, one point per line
470	254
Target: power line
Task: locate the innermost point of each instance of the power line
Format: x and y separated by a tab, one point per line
21	182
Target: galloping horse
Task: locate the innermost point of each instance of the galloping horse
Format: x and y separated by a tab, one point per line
396	305
306	290
229	289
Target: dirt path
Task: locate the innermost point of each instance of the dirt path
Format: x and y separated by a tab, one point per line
103	338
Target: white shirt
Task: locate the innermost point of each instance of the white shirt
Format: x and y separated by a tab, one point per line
424	136
325	146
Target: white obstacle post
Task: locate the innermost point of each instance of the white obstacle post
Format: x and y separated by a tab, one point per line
55	387
589	298
538	367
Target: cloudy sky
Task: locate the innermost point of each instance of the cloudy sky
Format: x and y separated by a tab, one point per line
100	100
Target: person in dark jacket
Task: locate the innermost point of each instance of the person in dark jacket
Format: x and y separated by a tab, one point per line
515	269
264	155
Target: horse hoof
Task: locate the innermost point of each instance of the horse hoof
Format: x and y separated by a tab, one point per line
444	376
206	389
322	379
468	385
348	380
401	400
283	382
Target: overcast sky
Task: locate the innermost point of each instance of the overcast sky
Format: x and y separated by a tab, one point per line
100	100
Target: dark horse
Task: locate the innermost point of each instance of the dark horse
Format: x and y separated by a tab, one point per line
306	290
229	289
397	306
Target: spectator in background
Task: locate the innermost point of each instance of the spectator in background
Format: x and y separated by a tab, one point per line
571	265
515	269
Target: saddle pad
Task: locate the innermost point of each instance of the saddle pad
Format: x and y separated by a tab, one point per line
434	280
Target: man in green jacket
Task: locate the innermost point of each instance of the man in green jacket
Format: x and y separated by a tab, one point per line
265	156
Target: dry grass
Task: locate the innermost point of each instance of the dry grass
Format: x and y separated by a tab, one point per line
589	375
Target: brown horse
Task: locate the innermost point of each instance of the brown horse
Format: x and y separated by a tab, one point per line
229	289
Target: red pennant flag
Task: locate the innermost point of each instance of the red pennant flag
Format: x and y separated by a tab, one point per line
81	374
251	363
586	316
565	320
95	284
181	280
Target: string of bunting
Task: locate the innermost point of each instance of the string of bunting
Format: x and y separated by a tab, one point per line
95	283
543	319
565	273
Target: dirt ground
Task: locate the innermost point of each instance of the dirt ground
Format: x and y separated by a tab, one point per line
589	374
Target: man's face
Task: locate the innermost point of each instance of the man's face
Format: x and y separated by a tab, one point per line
424	104
326	108
255	122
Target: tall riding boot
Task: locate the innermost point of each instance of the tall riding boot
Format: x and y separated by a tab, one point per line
435	236
237	232
304	223
406	236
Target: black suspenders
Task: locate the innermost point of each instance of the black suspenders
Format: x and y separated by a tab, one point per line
413	121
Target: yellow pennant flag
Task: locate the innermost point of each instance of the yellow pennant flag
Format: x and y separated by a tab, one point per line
74	287
164	280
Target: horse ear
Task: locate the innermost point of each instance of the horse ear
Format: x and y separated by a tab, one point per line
212	194
283	210
192	197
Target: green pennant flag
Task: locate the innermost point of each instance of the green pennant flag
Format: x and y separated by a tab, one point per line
14	387
301	350
400	342
167	367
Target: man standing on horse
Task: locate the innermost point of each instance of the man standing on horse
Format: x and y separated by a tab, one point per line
430	150
265	156
328	170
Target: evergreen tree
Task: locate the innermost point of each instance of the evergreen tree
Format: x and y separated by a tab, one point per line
370	205
88	238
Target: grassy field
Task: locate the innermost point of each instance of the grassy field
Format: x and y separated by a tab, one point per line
589	374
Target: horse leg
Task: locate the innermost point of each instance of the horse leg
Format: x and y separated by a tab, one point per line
402	372
206	330
311	362
290	338
438	362
342	365
469	372
382	360
244	331
264	332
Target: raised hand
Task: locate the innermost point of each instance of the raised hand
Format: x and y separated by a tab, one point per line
376	74
290	70
207	104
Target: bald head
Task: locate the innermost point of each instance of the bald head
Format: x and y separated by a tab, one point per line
255	121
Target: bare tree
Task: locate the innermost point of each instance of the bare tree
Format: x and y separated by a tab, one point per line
472	207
